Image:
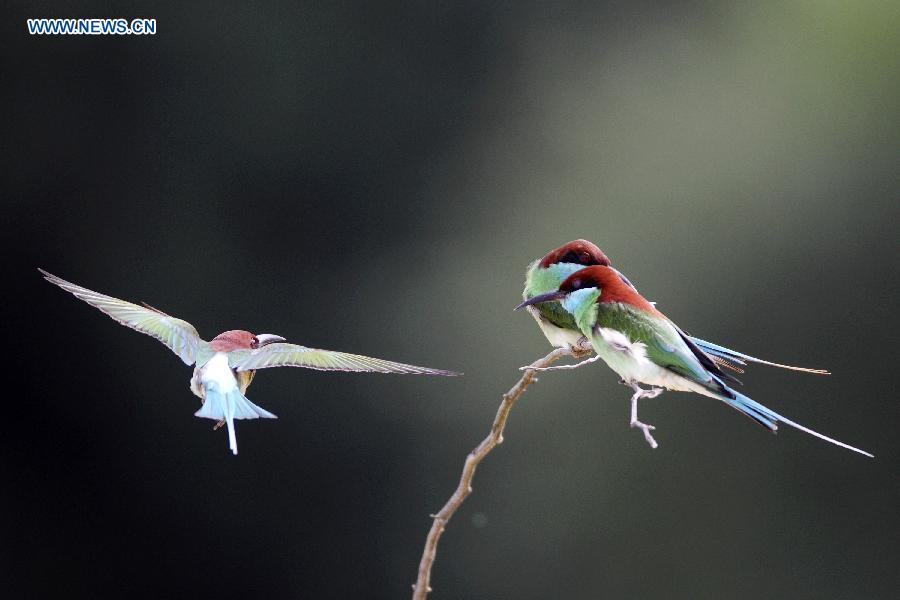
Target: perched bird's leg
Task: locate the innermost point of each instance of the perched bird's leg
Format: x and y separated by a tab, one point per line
639	393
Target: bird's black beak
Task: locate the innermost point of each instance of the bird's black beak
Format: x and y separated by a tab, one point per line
268	338
548	297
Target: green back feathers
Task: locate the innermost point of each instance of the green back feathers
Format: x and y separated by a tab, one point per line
664	344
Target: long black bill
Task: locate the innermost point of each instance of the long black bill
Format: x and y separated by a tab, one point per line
548	297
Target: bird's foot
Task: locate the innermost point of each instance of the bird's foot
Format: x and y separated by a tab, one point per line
582	348
640	392
646	429
219	425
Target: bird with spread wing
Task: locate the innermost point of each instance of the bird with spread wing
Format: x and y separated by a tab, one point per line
224	366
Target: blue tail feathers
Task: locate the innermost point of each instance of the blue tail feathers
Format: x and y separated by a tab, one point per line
742	359
229	406
770	419
753	409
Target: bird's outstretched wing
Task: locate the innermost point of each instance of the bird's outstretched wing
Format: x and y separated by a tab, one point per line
180	336
292	355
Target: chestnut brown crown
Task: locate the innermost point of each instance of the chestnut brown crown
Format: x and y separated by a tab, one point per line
580	252
234	339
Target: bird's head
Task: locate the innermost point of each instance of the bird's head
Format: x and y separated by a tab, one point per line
579	252
579	289
238	339
589	278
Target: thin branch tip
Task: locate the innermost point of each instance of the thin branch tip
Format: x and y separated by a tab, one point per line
422	587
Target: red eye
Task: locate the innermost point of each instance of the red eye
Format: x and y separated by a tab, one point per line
254	343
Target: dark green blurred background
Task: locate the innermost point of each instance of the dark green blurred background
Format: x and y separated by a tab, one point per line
374	178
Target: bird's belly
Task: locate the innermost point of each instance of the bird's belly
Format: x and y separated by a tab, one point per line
627	366
557	336
629	360
642	370
218	370
664	378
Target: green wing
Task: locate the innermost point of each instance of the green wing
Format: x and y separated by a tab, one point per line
292	355
664	343
180	336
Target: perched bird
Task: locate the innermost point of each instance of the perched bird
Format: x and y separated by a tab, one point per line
225	366
547	273
643	346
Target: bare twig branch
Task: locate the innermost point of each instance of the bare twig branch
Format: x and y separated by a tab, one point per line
422	587
563	367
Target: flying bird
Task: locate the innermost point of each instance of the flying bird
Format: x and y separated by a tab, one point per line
643	346
548	272
225	366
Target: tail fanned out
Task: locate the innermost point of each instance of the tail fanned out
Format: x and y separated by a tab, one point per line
228	407
770	419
